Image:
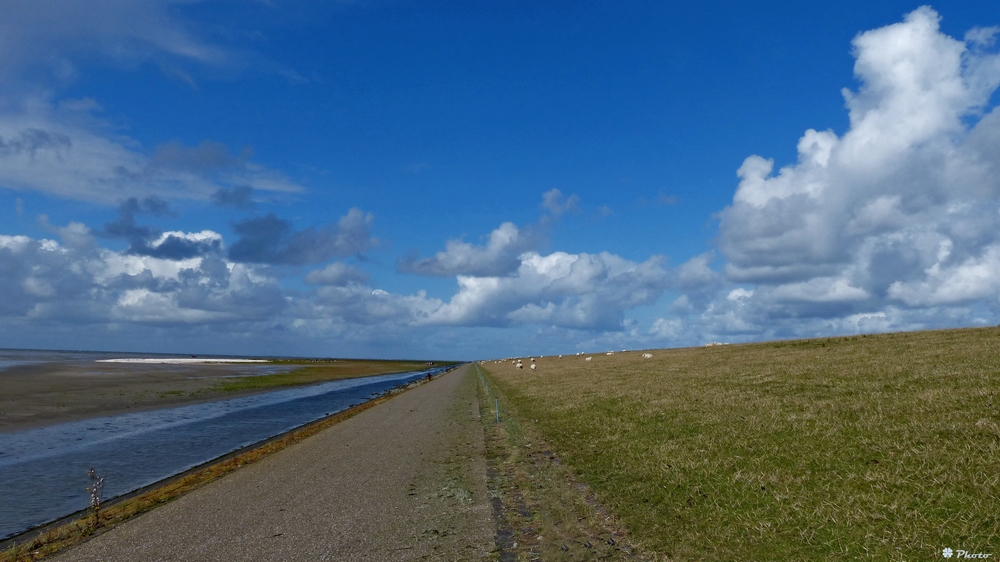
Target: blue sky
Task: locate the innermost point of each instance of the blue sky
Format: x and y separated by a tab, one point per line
462	180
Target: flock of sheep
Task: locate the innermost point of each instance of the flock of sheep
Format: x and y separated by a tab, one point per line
518	364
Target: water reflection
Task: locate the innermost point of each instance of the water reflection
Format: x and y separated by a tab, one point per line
44	470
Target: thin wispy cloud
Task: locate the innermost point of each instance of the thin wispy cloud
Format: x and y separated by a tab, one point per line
51	34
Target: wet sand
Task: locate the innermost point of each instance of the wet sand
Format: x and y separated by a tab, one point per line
50	393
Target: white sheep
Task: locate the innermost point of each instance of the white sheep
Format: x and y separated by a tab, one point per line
532	366
647	355
588	359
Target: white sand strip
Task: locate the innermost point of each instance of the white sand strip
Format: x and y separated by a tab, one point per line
179	360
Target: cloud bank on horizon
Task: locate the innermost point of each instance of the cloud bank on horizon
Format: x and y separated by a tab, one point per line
892	225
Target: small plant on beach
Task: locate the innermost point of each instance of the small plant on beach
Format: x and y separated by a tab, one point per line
95	489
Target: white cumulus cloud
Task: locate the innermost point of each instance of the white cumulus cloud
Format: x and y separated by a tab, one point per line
887	222
499	255
582	291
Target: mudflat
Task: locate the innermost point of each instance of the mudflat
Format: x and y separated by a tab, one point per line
404	480
48	393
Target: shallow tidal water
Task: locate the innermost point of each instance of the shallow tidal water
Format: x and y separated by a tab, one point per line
43	471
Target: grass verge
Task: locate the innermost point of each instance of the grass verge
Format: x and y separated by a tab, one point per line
541	511
878	447
51	541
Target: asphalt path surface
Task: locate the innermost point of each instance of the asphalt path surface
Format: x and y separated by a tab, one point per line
405	480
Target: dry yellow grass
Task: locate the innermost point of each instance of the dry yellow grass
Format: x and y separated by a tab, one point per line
878	447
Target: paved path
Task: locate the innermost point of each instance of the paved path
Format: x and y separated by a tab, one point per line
404	480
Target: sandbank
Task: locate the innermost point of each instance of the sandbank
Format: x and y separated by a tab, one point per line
49	393
177	360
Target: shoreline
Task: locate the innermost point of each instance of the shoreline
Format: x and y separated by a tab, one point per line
79	527
166	403
40	395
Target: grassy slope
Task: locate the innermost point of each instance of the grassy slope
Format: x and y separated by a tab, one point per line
881	447
544	513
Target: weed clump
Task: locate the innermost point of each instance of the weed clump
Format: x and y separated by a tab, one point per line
96	490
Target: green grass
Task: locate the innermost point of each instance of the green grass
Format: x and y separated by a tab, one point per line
316	372
547	514
877	447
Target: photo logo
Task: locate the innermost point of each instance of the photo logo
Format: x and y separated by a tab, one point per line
948	553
